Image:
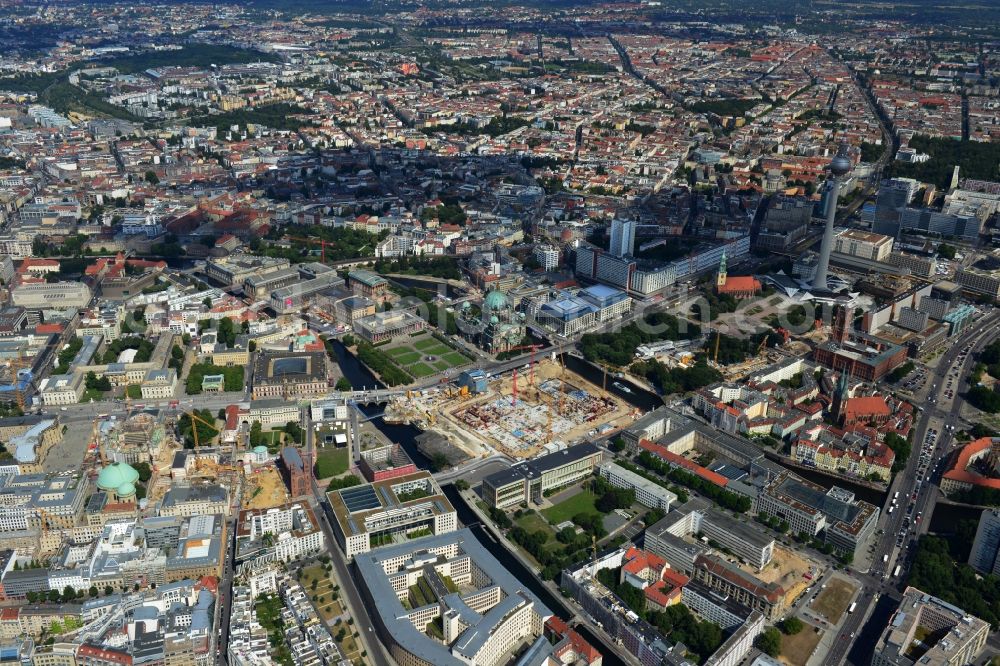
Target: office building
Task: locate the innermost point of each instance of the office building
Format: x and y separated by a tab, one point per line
623	272
912	264
547	256
846	523
924	220
376	514
746	542
195	500
979	281
727	579
62	389
986	546
51	295
528	481
785	223
444	600
928	631
568	315
648	493
612	304
293	531
622	237
893	196
863	244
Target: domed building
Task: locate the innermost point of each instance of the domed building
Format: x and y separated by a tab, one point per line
495	303
118	481
505	328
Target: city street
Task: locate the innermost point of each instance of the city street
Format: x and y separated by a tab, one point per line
879	579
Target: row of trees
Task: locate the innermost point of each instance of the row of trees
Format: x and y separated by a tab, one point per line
719	495
382	365
618	348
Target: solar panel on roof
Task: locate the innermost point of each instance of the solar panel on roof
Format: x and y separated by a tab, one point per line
360	499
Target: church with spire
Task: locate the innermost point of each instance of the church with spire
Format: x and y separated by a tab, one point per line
744	286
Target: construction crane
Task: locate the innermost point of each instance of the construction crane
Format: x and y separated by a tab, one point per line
313	241
531	366
195	419
562	384
95	435
715	356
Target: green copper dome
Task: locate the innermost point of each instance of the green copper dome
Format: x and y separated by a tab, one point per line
259	450
495	300
116	475
125	490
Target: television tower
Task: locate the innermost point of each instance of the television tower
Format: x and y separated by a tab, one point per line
838	167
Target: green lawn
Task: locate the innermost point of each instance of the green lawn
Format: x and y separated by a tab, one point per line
425	345
408	358
582	502
532	522
331	461
92	394
420	370
454	358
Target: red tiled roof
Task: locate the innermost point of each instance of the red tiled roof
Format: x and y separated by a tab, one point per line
959	471
740	284
860	408
680	461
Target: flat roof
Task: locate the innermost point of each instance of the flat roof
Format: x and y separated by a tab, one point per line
531	469
353	506
395	618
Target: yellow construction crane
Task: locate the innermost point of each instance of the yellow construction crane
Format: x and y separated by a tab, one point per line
718	338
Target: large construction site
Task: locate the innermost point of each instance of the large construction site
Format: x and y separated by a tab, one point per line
540	407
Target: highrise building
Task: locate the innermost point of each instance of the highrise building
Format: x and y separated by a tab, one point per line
983	556
622	237
893	196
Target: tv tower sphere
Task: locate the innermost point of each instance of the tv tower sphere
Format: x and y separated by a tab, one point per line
840	164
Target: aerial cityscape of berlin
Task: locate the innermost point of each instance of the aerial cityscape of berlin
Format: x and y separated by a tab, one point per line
499	333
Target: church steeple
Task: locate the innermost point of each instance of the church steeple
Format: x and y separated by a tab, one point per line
840	394
721	279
